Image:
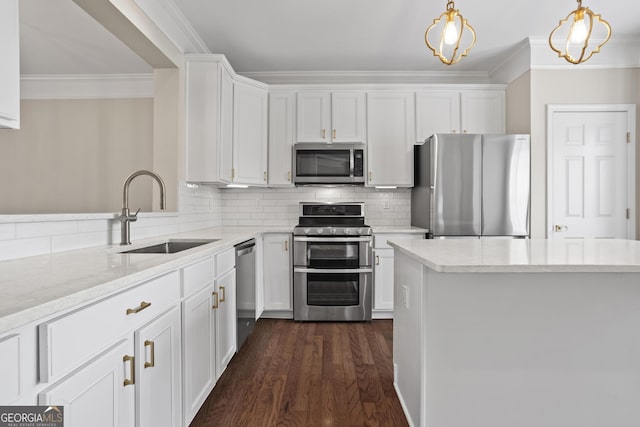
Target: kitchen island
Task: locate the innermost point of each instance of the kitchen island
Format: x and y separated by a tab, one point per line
507	333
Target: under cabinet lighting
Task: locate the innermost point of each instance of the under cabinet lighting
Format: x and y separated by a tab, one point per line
386	187
237	186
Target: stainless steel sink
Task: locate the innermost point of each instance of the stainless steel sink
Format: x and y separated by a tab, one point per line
170	246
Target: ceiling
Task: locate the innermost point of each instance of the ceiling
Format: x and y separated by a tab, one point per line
57	37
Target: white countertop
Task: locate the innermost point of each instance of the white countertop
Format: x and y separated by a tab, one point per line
36	287
524	255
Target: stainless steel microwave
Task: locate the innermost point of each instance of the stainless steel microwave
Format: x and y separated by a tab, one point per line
329	164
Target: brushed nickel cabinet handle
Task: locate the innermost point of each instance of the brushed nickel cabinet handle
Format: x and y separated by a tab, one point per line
152	348
324	133
370	176
264	175
289	176
222	293
132	370
286	245
334	134
217	303
139	308
377	259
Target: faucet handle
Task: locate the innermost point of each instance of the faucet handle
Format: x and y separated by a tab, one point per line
135	215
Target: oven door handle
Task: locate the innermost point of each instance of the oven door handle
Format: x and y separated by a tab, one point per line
332	239
332	270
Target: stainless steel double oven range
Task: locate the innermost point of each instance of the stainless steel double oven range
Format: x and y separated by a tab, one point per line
332	271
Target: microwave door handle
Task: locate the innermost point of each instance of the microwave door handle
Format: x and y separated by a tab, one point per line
352	153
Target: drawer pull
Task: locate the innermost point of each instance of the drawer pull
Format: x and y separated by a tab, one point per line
152	346
215	304
222	293
139	308
132	370
377	259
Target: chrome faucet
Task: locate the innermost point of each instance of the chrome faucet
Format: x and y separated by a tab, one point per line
125	216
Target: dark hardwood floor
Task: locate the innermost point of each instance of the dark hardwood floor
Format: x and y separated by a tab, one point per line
308	374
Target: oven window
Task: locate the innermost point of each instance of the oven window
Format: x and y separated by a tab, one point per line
323	163
333	289
333	254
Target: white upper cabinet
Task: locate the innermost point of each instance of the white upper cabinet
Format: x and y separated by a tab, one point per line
249	134
9	66
282	128
331	117
482	111
209	120
450	111
391	135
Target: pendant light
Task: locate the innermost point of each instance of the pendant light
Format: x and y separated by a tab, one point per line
450	37
580	35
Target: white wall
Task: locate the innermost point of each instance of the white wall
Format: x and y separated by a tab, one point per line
72	156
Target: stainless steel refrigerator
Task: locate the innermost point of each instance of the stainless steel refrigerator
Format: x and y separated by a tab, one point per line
472	185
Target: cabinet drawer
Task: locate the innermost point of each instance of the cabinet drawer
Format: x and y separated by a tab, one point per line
380	240
197	276
74	338
225	261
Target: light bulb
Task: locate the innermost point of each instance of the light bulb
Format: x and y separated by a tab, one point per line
578	32
450	33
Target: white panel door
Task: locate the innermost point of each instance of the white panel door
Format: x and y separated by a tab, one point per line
282	130
225	320
313	117
158	364
97	395
249	134
347	117
482	111
437	112
589	175
391	135
277	272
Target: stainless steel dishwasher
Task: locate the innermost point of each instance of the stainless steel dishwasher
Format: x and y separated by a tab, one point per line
246	289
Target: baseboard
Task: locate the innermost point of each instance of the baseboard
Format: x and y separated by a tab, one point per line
404	406
277	314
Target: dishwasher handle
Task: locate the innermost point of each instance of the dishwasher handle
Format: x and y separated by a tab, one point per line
246	248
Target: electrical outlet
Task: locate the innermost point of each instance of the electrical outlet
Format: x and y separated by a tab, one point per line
386	204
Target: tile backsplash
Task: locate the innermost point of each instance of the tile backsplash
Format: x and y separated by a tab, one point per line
279	206
199	207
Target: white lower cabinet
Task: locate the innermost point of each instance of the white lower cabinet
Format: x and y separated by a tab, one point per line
383	272
277	275
225	319
199	349
101	393
159	372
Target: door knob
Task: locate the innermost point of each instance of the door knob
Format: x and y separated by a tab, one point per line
560	228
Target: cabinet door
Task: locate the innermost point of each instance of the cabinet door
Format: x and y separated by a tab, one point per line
313	117
249	134
96	395
225	320
199	350
225	144
9	66
277	272
281	138
437	112
391	135
482	112
347	117
202	120
158	365
383	280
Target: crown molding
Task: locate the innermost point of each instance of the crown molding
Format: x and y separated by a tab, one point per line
366	77
172	22
86	86
617	53
515	65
